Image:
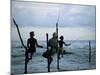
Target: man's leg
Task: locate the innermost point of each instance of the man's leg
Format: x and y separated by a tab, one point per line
59	53
62	52
31	54
51	59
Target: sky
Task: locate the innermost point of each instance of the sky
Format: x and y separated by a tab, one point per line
75	21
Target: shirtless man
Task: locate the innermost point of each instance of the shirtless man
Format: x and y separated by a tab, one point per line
61	42
32	44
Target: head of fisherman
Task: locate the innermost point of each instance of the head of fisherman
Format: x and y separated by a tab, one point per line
61	37
55	35
31	34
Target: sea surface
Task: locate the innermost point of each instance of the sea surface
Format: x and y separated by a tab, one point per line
76	58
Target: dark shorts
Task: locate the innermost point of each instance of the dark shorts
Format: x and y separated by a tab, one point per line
31	50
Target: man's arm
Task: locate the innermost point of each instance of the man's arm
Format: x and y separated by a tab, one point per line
66	44
37	44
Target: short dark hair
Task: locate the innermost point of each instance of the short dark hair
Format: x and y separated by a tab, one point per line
32	33
61	37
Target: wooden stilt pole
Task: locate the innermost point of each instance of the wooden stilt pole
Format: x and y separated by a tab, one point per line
57	47
48	60
26	53
26	62
89	51
57	38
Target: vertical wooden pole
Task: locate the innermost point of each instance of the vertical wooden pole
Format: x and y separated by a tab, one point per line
26	62
89	51
57	38
48	60
57	47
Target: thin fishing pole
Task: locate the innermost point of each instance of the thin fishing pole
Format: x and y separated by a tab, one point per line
58	15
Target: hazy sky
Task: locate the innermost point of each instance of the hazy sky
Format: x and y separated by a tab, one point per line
76	21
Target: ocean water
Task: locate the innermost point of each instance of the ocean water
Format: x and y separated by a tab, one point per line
76	58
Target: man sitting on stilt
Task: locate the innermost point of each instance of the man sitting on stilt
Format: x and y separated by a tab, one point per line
53	45
61	42
31	45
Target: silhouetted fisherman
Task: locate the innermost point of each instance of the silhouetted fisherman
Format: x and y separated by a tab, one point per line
32	44
52	44
52	48
61	42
